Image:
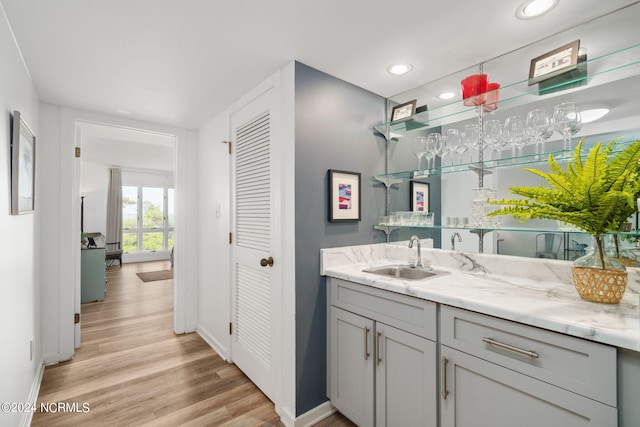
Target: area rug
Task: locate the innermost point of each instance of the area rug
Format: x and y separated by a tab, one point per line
152	276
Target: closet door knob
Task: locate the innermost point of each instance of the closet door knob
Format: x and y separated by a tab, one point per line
266	262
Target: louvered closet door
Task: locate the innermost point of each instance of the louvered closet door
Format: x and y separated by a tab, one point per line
254	285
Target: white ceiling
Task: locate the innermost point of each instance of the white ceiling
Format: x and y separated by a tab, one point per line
182	62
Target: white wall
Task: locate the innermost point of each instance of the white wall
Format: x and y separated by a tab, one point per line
21	280
61	228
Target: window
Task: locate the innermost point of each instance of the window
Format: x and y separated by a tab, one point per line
147	219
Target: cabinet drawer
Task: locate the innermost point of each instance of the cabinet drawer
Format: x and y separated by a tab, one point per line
410	314
582	366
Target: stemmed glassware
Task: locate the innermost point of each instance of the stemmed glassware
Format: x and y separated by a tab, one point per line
471	138
493	134
539	126
420	148
433	146
453	142
515	133
567	121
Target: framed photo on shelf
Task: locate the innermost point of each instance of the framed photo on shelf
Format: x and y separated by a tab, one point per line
344	196
23	167
419	197
554	63
402	111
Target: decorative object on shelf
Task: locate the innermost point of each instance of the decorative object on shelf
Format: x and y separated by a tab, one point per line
491	97
567	80
23	167
419	196
593	195
481	207
344	196
477	90
403	111
473	87
554	63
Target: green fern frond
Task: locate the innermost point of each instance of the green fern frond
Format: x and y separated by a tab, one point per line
596	193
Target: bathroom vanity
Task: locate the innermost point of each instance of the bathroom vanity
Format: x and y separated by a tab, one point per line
496	341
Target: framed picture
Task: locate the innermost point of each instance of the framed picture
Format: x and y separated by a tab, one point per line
23	166
554	63
344	196
403	111
419	197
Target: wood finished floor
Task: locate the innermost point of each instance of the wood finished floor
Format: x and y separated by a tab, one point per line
132	370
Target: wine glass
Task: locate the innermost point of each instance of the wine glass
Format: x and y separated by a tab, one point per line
420	148
433	146
444	149
515	133
493	133
453	142
471	138
567	121
539	126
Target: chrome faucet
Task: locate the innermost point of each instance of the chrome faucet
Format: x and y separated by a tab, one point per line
415	238
453	240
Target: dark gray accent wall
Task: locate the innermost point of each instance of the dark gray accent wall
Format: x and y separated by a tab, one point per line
334	130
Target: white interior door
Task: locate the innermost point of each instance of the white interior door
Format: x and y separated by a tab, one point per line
255	267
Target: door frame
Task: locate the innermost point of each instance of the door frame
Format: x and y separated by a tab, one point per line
283	124
62	346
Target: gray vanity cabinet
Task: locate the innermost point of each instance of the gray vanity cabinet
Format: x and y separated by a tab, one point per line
500	373
382	356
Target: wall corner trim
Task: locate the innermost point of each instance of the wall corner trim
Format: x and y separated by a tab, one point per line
33	394
310	417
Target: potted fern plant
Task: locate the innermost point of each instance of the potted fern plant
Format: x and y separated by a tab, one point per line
592	194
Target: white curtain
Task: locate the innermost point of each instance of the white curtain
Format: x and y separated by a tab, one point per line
114	206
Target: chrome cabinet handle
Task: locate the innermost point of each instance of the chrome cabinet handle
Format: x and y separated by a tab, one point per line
445	392
378	358
528	353
266	262
366	343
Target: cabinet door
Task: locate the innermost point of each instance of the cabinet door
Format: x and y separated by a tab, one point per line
483	394
406	379
352	366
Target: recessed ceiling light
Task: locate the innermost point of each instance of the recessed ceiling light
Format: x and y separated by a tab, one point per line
399	69
592	112
447	95
534	8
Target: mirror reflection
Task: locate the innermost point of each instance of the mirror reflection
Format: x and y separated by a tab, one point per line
458	148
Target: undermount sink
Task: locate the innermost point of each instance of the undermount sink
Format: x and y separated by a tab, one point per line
405	272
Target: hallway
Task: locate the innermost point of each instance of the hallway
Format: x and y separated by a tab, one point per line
133	370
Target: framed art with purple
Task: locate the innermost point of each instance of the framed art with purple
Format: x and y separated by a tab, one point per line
344	196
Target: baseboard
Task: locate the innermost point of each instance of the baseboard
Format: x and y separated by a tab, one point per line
214	343
33	394
313	416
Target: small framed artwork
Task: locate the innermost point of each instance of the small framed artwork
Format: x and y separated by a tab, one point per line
344	196
402	111
554	63
23	166
419	197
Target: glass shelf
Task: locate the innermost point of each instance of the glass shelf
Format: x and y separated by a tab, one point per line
389	228
613	66
486	166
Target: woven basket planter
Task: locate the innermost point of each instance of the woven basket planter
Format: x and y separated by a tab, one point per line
598	285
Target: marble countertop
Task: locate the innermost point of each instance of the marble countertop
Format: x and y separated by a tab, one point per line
532	291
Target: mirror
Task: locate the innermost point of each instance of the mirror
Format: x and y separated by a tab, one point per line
611	45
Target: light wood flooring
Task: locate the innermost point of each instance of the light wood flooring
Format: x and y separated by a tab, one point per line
132	370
